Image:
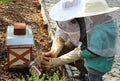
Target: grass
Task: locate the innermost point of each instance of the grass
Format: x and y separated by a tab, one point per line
5	1
44	77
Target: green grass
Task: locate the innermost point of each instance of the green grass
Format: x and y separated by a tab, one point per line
5	1
45	77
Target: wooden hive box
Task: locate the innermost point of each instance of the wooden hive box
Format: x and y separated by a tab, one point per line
19	47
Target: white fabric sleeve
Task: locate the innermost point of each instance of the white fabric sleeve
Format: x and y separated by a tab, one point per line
60	33
79	45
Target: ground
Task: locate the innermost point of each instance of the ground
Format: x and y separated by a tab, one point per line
27	11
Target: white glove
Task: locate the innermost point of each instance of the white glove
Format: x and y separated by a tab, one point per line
57	46
72	56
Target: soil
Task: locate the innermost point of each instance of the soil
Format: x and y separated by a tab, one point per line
27	11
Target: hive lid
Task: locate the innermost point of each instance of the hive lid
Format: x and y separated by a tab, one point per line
12	39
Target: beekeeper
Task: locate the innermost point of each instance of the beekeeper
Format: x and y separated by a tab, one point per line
94	40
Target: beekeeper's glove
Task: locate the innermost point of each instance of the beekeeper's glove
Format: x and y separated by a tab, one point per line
56	48
48	63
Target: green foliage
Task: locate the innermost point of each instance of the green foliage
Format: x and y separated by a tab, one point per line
5	1
45	77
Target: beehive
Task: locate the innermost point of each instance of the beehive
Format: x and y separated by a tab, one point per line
19	47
